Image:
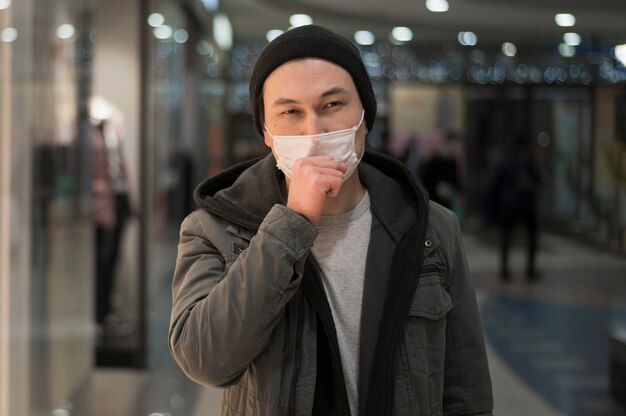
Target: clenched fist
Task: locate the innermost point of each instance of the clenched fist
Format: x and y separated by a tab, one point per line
314	179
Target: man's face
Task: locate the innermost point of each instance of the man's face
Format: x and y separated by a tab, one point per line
311	96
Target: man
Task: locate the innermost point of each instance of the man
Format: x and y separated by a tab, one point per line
514	196
319	288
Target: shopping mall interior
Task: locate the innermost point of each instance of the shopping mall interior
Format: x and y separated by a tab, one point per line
146	98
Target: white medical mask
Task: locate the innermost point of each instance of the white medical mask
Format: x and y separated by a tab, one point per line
340	145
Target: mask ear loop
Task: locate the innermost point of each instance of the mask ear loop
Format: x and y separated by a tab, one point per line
355	128
267	130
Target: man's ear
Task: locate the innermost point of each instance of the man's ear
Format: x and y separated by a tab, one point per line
268	139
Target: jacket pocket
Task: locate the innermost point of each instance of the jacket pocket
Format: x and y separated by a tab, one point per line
425	331
430	301
425	341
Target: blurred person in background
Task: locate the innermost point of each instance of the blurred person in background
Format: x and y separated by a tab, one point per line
319	280
440	173
513	199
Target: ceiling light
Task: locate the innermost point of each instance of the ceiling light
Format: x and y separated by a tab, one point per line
565	19
620	53
437	6
402	34
163	32
5	4
572	39
8	34
567	51
222	31
300	20
181	36
65	31
509	49
156	19
210	5
364	37
467	38
273	34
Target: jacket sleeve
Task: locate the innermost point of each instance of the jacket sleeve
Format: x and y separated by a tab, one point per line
222	318
467	389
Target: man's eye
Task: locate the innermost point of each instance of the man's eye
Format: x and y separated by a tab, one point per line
333	104
290	111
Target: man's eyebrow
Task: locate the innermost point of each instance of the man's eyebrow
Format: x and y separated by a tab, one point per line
284	101
327	93
333	91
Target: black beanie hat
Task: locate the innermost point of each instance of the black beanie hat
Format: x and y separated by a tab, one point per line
311	41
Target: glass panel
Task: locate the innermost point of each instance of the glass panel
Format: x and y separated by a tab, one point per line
185	132
561	129
47	294
165	98
13	350
183	142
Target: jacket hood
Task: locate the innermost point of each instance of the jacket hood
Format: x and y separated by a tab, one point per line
244	193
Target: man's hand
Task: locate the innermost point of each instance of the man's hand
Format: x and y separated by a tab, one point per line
313	180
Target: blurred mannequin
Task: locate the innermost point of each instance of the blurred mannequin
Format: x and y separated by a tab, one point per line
111	206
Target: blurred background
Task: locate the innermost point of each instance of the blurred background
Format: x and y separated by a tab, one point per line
512	114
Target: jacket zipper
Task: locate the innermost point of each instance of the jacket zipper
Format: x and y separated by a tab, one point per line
297	357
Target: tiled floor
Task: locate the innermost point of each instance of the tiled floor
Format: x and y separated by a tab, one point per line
553	335
547	341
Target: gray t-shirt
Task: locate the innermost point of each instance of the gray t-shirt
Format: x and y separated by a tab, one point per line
341	251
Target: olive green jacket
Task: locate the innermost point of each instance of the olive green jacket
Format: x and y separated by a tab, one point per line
249	306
